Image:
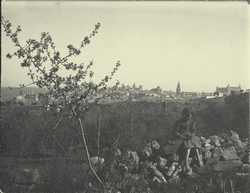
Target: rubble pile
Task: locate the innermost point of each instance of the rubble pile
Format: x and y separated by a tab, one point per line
157	169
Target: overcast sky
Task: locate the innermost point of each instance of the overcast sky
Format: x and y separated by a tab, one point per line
200	44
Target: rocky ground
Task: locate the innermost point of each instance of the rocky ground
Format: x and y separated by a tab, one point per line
150	167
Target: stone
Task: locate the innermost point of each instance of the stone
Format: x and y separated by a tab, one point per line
225	137
240	147
155	172
215	140
163	170
174	180
217	143
207	154
194	175
154	145
227	165
245	168
213	137
205	169
202	139
174	157
207	145
230	153
156	179
203	149
207	141
132	160
147	152
173	170
227	144
235	135
217	152
188	172
150	149
221	140
212	160
243	157
244	140
161	162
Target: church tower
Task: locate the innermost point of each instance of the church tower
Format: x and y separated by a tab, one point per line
178	89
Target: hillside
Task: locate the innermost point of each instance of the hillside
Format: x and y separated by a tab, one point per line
8	94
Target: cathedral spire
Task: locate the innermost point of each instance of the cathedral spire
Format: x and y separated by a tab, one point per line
178	89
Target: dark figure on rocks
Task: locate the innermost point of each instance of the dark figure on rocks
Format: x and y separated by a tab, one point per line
184	132
184	139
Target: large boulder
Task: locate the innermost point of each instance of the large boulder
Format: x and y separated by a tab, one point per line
205	169
212	160
227	165
239	145
230	153
217	152
227	144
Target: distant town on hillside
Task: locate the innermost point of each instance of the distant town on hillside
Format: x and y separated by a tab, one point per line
29	96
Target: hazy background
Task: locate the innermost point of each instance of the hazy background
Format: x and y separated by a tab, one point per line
200	44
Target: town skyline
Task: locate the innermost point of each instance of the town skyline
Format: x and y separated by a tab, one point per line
200	44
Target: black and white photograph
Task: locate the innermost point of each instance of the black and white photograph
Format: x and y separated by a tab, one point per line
125	97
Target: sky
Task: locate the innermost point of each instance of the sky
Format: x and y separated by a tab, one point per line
200	44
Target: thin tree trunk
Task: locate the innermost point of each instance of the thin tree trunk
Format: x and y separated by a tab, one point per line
131	127
98	136
99	131
86	149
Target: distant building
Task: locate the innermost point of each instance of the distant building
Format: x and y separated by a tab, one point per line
157	90
168	94
27	97
119	95
218	94
228	90
149	93
189	95
178	90
206	94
